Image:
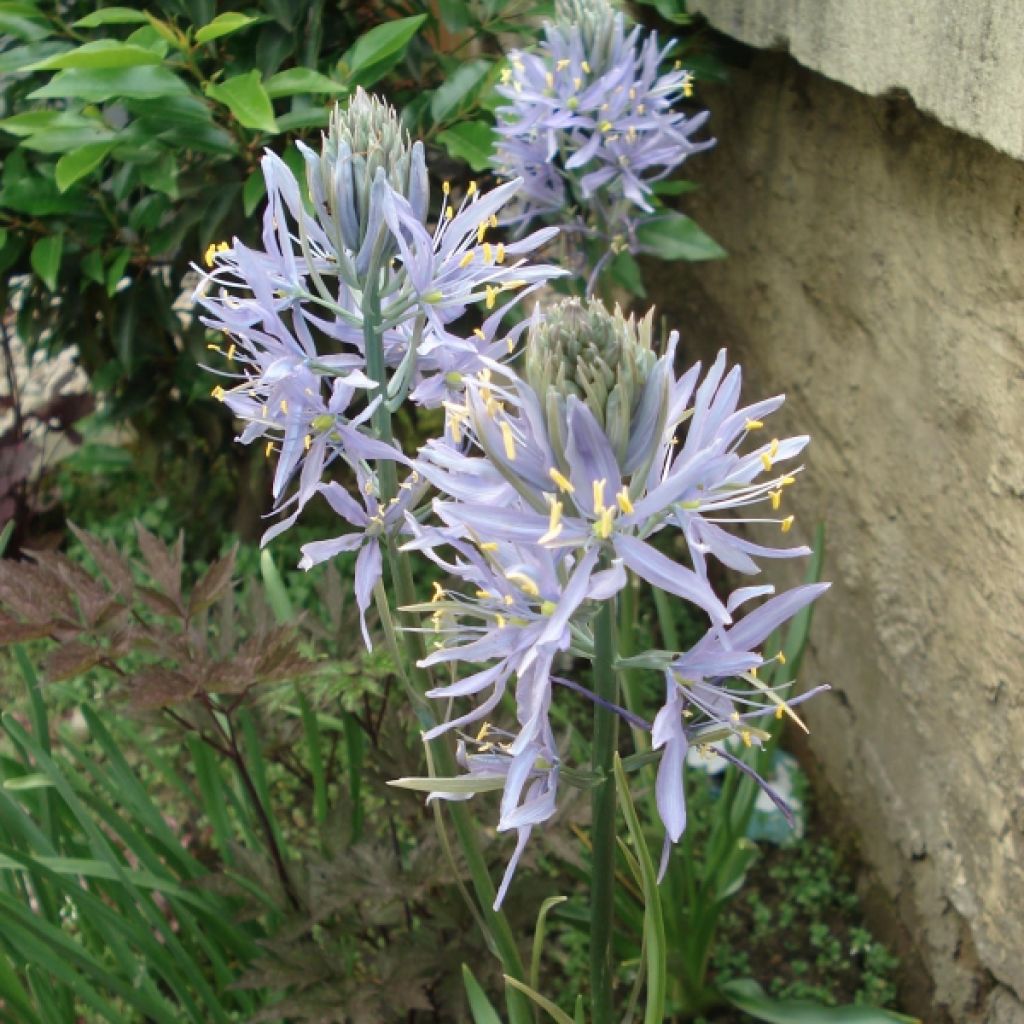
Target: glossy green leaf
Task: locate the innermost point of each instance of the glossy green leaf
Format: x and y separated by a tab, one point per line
377	51
625	270
674	188
472	141
97	85
34	780
102	53
674	236
63	140
748	996
301	81
45	259
479	1005
458	89
91	266
31	121
23	21
223	25
73	166
246	98
112	16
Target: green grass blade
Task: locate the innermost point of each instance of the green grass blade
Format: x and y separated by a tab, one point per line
315	756
654	925
479	1005
748	996
538	936
558	1015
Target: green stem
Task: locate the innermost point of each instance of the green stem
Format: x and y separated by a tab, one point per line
602	887
501	935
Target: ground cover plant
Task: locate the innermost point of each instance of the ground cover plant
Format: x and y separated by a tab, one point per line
522	639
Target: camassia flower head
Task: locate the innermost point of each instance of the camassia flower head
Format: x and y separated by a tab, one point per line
592	122
554	485
360	256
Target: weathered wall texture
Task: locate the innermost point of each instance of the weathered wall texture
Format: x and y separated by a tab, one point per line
877	275
960	60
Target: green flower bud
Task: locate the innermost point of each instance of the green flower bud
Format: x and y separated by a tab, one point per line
602	358
596	22
365	141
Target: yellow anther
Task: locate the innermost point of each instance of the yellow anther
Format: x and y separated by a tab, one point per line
561	481
510	442
525	584
586	66
554	523
787	480
735	716
753	425
218	393
481	230
508	600
213	348
307	442
438	594
562	64
483	594
625	505
603	528
471	191
489	545
492	221
231	352
547	608
483	733
787	524
632	93
492	296
641	107
746	737
606	126
488	253
268	449
493	407
500	620
499	256
284	406
599	486
550	80
776	499
368	487
467	259
478	331
266	412
577	83
446	187
780	711
506	75
781	657
448	213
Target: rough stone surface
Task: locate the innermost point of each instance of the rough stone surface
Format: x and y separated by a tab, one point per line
875	275
962	62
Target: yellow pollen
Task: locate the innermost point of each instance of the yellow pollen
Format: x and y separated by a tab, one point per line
787	480
213	348
606	126
218	393
492	221
489	545
586	66
625	505
787	524
471	191
577	82
509	600
501	620
781	657
603	527
478	331
776	499
563	483
307	442
780	711
488	253
554	523
481	230
466	259
446	187
211	251
500	253
641	107
268	449
510	442
599	496
438	593
525	584
745	736
448	213
284	406
550	80
484	730
231	352
735	716
483	594
632	94
492	295
562	64
753	425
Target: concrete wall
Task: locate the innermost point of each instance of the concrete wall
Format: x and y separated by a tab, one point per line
961	60
877	275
